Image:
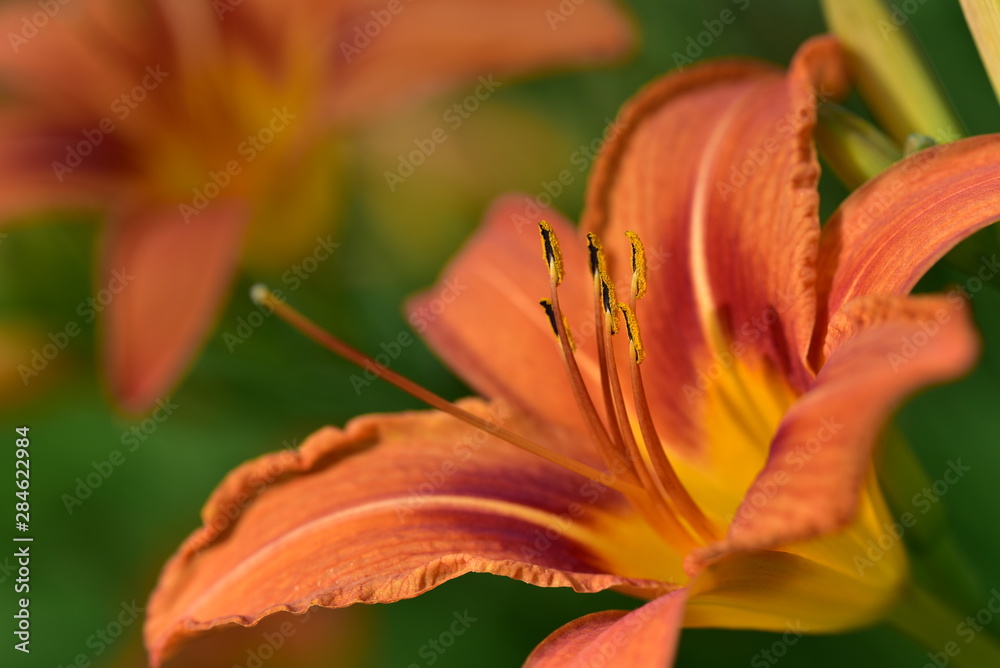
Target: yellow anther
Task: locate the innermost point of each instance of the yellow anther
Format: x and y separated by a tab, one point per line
550	250
632	328
639	269
609	300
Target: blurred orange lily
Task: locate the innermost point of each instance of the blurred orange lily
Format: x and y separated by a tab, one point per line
731	484
183	123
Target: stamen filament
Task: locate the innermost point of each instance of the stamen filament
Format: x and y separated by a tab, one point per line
579	387
661	512
678	494
657	514
605	319
597	267
263	296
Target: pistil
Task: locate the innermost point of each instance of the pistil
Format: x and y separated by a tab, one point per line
263	296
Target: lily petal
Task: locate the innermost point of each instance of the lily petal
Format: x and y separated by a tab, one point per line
304	641
71	47
162	282
643	638
712	161
484	320
387	509
793	591
881	350
441	42
36	176
889	232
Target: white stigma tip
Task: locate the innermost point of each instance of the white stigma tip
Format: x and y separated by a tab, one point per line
259	293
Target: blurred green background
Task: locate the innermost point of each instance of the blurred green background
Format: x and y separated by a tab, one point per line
275	387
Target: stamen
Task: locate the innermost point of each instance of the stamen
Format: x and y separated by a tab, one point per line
264	297
605	287
676	492
547	305
655	507
610	300
610	450
552	253
660	513
596	254
639	267
634	338
597	268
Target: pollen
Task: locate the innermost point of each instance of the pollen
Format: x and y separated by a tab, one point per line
632	329
639	268
610	300
664	500
551	252
596	254
602	280
550	312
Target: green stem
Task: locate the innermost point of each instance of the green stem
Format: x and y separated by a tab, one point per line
946	635
946	566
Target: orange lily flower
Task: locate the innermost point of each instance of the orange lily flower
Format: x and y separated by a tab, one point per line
713	457
184	122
